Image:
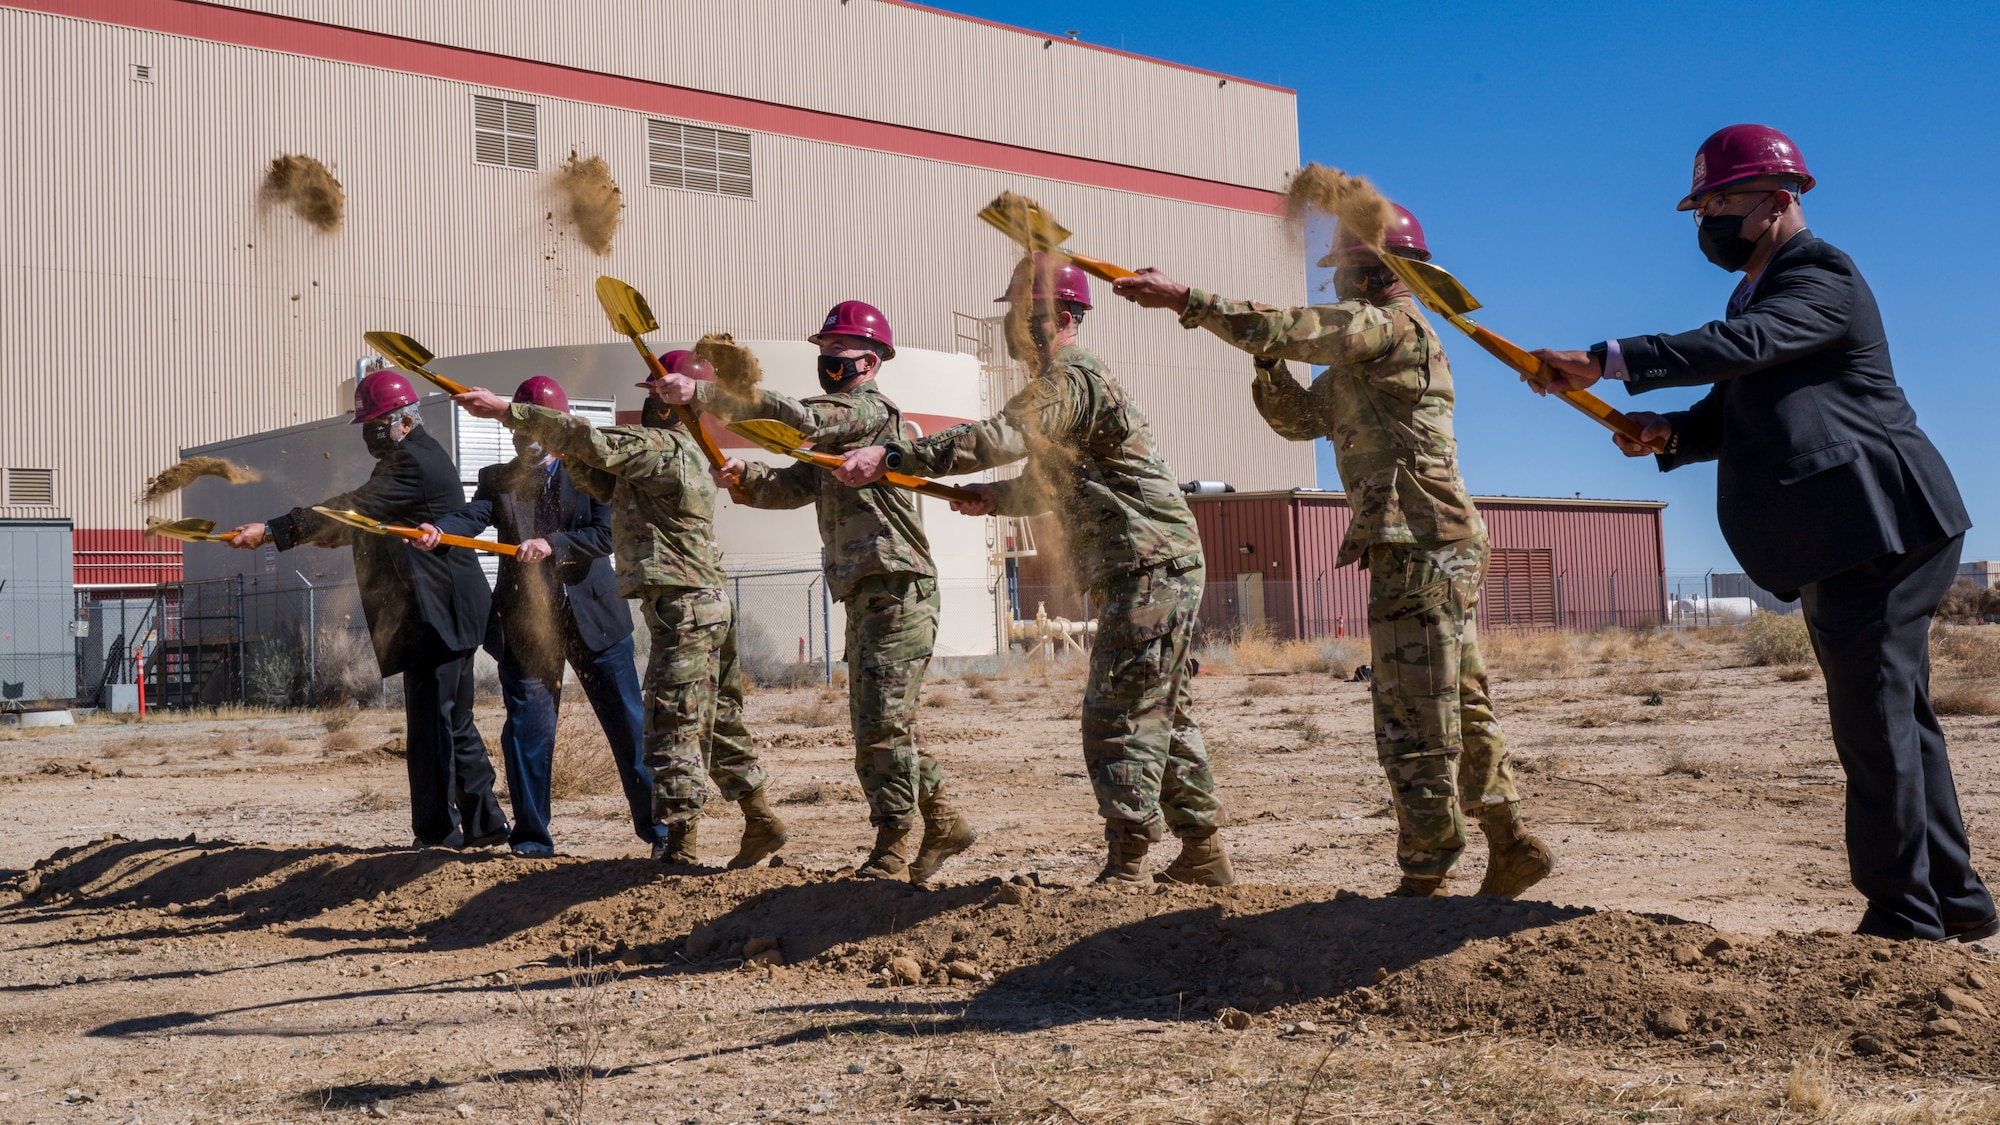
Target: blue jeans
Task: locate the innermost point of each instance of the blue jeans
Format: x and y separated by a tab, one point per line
533	696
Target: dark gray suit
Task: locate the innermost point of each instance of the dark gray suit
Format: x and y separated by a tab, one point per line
1827	491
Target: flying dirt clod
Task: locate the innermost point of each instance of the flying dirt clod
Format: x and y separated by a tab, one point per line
736	368
304	184
1350	199
595	203
178	476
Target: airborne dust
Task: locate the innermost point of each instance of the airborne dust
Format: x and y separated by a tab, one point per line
1350	199
737	371
304	184
595	205
178	476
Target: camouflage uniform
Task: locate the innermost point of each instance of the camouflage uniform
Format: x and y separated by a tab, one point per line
878	565
663	531
1130	540
1385	402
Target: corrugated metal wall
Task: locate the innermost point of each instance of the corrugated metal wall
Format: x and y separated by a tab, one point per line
1609	560
152	303
878	62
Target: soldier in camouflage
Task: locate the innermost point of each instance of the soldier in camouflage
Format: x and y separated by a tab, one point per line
1385	402
1130	541
878	565
663	531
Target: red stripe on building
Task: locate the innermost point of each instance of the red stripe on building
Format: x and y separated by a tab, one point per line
413	56
116	557
726	438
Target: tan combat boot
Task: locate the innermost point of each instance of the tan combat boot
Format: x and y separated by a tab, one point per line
1516	860
763	832
887	861
946	833
1419	886
1202	862
677	850
1125	852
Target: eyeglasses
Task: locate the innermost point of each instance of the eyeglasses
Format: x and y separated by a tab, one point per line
1706	206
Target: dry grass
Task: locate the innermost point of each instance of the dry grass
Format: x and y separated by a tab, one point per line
582	765
823	793
823	709
1770	639
1965	697
1972	651
338	718
1796	673
1688	763
1255	651
371	799
342	742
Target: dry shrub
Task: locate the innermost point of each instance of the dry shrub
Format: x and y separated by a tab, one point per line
1964	697
1591	718
346	671
304	184
342	742
1255	650
1793	673
1768	638
595	203
822	710
1689	763
177	476
269	745
582	765
1530	656
823	793
1350	199
371	799
1310	733
940	698
1973	652
1967	602
338	718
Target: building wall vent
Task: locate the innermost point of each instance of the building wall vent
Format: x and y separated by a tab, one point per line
698	158
503	133
142	72
35	488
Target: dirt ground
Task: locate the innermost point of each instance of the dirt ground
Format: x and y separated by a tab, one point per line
213	918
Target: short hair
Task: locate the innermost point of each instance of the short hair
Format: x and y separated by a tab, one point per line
1075	310
402	412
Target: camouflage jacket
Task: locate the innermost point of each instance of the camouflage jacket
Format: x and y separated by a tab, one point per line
866	531
1384	401
1091	460
657	484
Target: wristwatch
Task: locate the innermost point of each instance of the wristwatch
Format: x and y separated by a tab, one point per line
892	458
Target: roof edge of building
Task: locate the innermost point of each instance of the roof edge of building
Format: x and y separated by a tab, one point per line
1558	501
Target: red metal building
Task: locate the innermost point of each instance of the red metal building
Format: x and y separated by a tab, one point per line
1572	564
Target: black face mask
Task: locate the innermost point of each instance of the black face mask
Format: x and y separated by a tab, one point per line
1722	242
1361	283
376	436
656	414
836	372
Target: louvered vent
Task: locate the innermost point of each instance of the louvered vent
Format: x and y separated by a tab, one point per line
698	158
503	133
31	487
142	72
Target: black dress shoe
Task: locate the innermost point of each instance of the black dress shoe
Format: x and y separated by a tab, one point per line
1970	932
497	836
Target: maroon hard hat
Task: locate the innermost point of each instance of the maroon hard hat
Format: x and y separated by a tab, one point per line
379	392
681	361
1401	233
1741	152
1047	277
542	391
857	318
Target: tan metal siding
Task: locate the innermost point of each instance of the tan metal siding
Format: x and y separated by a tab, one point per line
879	62
147	297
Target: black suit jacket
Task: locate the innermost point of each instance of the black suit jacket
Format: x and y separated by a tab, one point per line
579	549
1821	466
402	587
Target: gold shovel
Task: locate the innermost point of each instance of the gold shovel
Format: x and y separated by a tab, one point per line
1449	299
631	315
409	355
187	530
377	527
1026	223
780	438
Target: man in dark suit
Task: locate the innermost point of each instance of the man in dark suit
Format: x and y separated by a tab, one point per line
556	600
1829	493
425	611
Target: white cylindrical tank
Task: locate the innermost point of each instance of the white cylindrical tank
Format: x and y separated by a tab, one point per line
1699	610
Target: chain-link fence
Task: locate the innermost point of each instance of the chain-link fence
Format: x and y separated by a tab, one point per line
787	625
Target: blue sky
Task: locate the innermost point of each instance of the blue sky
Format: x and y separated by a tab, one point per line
1544	146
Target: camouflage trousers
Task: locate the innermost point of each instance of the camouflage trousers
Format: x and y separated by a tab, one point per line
694	703
892	623
1141	746
1434	727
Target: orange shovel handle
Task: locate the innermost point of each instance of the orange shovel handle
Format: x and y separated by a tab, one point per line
456	540
900	480
1514	356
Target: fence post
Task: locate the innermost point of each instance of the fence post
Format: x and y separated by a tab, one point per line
242	651
312	635
826	626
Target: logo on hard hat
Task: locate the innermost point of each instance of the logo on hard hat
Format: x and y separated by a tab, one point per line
1700	167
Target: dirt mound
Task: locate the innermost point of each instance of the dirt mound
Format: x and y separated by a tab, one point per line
308	188
1422	968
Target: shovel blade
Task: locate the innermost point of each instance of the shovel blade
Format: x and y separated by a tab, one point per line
187	530
625	307
1432	285
350	517
771	434
1024	221
401	351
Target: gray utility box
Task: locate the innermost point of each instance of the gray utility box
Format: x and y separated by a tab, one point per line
37	606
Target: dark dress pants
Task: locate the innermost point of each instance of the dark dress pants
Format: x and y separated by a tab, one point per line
451	776
1906	847
532	690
